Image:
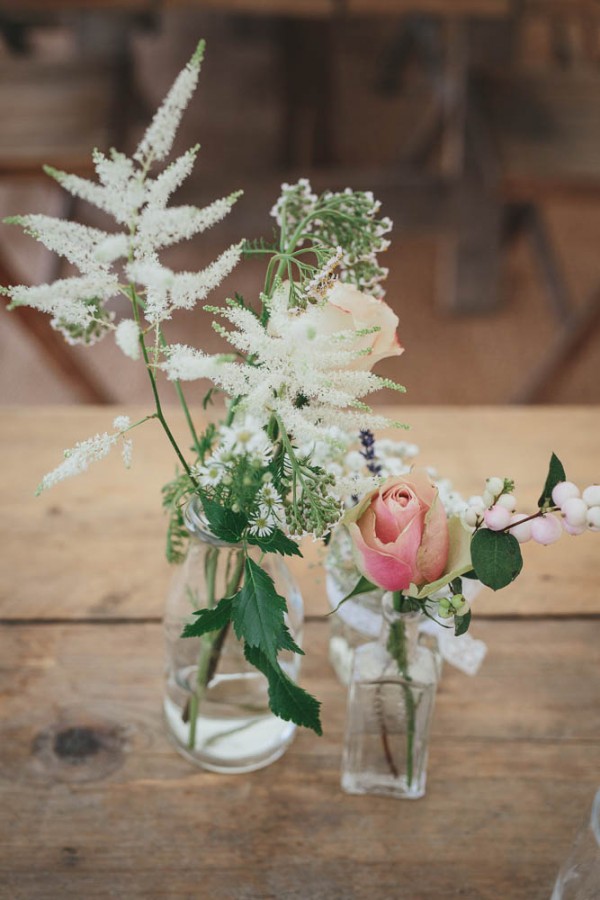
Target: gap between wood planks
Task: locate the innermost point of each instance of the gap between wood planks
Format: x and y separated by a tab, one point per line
157	620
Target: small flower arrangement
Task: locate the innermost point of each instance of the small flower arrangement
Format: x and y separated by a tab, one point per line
300	362
411	536
269	473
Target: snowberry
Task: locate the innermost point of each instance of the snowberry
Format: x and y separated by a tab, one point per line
471	517
546	529
593	517
521	530
591	495
497	517
494	485
509	501
488	498
476	503
563	491
573	529
575	511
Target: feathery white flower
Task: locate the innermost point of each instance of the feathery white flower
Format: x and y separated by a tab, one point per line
79	244
159	137
127	336
158	227
160	188
187	364
78	459
121	423
189	288
66	299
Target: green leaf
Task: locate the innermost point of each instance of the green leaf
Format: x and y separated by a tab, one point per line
277	542
287	699
287	642
362	586
556	474
471	575
210	619
497	558
224	523
461	623
257	611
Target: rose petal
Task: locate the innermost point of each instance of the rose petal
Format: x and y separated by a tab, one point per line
384	570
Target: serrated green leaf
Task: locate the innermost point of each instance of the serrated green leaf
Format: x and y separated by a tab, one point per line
362	586
257	611
287	642
224	523
287	699
277	542
461	623
208	620
497	558
556	474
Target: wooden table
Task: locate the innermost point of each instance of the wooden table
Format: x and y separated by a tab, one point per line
515	753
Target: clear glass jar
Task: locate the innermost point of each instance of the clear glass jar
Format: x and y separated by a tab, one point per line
216	704
355	622
390	707
579	877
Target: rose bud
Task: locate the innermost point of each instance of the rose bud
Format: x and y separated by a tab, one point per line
399	532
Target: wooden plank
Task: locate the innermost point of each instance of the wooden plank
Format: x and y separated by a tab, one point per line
545	127
512	770
93	546
326	8
52	113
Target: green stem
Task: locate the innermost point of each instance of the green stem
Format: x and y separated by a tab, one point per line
183	402
210	574
210	650
159	412
399	650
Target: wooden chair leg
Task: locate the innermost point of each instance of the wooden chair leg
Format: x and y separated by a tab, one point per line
469	260
574	334
58	353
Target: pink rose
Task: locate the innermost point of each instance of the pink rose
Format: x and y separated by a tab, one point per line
347	309
400	533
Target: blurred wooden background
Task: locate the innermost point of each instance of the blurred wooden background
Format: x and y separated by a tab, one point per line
480	133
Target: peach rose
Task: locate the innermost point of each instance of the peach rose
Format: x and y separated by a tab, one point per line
347	309
400	532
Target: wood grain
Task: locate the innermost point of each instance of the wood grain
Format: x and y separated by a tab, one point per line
512	770
93	547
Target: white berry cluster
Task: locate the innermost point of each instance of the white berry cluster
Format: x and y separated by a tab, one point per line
580	510
496	509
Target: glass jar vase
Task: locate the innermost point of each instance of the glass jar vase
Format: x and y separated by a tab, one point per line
216	704
390	707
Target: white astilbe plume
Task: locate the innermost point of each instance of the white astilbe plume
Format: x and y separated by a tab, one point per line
127	336
158	227
158	140
78	459
167	291
298	374
171	178
187	364
128	192
65	299
79	244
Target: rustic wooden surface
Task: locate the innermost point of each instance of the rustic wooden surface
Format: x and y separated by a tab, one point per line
514	754
70	547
